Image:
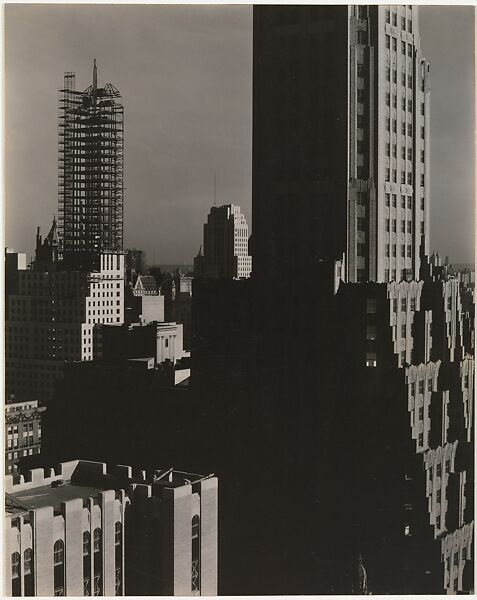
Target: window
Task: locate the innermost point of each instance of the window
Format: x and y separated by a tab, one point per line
409	50
195	564
421	386
394	150
403	78
409	255
16	584
394	250
387	197
387	224
409	178
422	108
394	175
422	180
409	154
421	413
420	440
409	105
403	48
394	200
394	43
388	42
464	553
409	129
409	81
403	152
403	304
422	203
362	197
439	470
394	125
403	330
86	543
59	553
28	572
360	95
117	533
409	25
403	229
438	522
388	16
371	306
386	274
360	147
413	388
403	201
394	225
361	249
387	249
97	540
422	227
388	99
403	23
394	19
429	385
360	121
423	155
360	69
438	496
403	128
423	133
413	300
407	530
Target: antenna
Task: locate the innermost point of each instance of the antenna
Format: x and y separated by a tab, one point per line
95	75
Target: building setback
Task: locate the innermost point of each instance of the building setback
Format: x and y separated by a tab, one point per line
225	253
81	530
340	140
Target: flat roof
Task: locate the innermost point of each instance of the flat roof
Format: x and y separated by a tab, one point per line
46	495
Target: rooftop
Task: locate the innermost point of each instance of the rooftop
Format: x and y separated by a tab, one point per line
83	479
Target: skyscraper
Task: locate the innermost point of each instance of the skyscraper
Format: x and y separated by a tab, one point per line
90	192
225	245
340	140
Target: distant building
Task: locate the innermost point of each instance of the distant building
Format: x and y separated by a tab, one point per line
225	253
22	431
81	530
51	313
145	286
135	260
181	305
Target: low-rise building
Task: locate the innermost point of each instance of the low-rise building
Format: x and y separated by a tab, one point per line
81	530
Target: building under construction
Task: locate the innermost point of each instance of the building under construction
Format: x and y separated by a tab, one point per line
90	190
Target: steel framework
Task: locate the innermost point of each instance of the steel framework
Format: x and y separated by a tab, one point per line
91	155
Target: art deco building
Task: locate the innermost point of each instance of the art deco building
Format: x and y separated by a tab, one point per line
225	253
340	140
82	530
90	194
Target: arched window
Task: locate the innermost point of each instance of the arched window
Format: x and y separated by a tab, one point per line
28	561
59	553
16	583
59	568
28	572
195	565
97	563
118	557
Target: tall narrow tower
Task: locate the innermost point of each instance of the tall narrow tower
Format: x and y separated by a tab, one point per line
340	141
90	190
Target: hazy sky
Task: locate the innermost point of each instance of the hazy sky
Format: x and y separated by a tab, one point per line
185	76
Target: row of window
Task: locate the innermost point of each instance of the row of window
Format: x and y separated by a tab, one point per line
391	17
393	197
406	80
391	250
391	226
421	386
392	124
391	40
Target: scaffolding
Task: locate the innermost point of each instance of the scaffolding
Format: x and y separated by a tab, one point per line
91	155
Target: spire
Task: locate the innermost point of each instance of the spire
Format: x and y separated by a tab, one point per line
95	75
